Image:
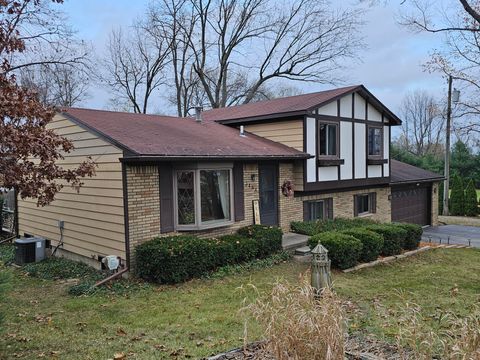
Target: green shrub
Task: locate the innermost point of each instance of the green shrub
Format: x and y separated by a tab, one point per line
269	238
174	259
343	250
457	197
177	259
304	227
393	238
471	203
315	227
233	249
7	253
413	237
372	243
54	268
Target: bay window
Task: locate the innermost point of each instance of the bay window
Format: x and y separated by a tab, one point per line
203	198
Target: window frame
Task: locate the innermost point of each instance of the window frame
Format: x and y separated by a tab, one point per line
337	133
372	204
199	225
381	155
327	203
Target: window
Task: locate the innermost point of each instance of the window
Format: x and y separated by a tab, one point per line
365	204
375	140
203	198
328	140
215	195
318	210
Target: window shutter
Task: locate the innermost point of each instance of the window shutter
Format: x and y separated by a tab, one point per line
306	211
373	202
166	198
355	205
329	204
238	196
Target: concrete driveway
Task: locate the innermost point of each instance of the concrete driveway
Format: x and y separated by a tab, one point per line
453	234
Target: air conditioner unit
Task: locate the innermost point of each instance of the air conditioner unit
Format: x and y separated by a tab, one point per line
29	250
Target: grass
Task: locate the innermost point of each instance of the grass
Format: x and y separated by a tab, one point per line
201	317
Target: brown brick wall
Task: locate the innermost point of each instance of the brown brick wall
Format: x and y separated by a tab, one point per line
143	204
435	204
291	208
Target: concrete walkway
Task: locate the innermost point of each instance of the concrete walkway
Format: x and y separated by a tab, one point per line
453	234
292	241
459	220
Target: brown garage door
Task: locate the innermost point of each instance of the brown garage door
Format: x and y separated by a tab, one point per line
411	204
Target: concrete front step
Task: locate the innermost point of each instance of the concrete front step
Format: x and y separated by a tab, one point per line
292	241
303	251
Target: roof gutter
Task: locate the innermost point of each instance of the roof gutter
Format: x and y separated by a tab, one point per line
416	181
160	158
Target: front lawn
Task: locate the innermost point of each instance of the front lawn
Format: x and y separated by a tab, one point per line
201	317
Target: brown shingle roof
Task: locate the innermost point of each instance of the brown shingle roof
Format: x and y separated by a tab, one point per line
290	106
165	136
406	173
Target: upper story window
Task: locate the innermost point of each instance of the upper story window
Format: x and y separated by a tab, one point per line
328	140
375	141
203	198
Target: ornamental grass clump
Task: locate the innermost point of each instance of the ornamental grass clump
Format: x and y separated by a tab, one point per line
299	326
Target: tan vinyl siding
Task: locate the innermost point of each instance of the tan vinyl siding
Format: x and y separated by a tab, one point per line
289	132
298	175
94	222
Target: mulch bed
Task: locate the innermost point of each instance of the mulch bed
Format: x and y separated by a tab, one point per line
358	347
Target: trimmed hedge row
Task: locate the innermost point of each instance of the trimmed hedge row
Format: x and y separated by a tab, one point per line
364	244
343	250
175	259
393	238
315	227
371	241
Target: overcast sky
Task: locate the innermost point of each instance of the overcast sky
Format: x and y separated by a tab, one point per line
389	67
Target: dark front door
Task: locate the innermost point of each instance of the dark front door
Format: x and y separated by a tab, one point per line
411	204
267	177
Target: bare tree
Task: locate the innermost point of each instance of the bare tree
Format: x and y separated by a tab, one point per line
56	84
133	68
460	56
423	123
227	50
45	35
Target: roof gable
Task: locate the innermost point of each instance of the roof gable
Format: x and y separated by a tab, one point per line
292	106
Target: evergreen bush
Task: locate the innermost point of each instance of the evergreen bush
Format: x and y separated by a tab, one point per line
414	235
393	238
175	259
457	197
372	243
343	250
471	203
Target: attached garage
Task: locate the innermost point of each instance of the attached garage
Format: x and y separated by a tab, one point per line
414	194
412	204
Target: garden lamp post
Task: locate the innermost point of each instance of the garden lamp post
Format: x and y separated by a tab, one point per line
452	97
321	277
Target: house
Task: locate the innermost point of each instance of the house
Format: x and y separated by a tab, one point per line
305	157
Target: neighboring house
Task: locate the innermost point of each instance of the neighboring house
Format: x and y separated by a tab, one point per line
159	175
